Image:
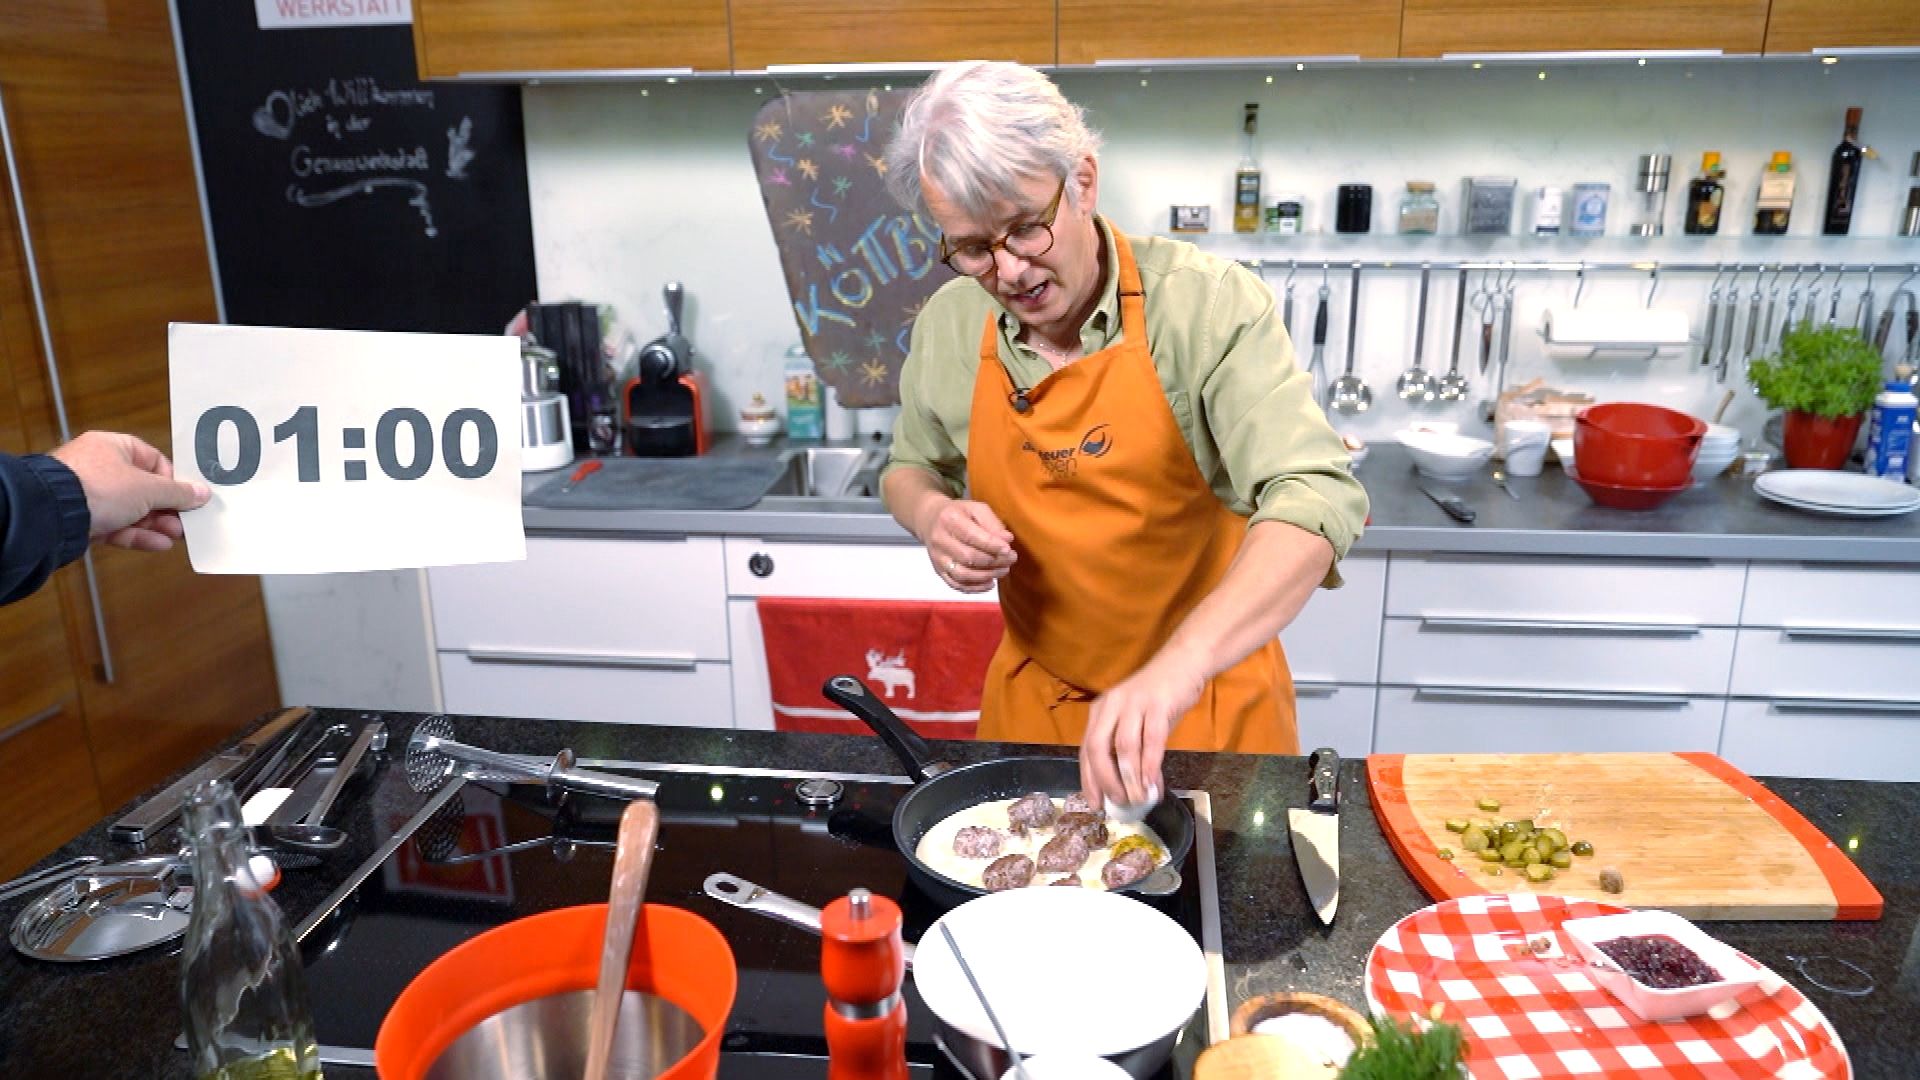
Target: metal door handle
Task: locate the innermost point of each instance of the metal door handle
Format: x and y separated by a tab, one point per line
1838	705
662	662
1467	695
1468	624
1865	637
1314	690
53	370
35	720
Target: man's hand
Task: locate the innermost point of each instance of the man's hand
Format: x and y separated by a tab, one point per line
968	545
1127	730
131	493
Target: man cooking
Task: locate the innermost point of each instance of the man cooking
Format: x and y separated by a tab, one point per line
1114	431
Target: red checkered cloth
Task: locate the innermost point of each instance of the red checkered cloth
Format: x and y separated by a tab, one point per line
1534	1019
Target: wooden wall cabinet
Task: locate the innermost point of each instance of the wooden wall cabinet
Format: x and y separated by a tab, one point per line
99	135
768	33
1439	27
469	37
1797	26
1096	30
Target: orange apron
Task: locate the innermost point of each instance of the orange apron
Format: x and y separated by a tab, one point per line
1119	538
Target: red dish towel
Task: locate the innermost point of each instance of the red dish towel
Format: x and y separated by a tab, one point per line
925	659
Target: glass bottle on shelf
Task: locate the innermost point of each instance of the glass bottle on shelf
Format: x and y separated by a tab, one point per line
1419	209
1705	195
1775	206
241	983
1843	181
1246	179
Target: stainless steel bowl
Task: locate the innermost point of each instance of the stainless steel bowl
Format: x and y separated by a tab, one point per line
546	1039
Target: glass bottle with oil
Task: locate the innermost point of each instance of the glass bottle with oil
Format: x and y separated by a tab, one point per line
241	983
1246	179
1705	195
1775	206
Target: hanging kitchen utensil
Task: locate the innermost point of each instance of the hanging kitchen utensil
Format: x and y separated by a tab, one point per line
1453	385
1773	303
433	757
1863	318
1793	303
1833	302
1350	394
1317	367
1713	316
1726	332
1506	333
1753	326
1813	299
1415	383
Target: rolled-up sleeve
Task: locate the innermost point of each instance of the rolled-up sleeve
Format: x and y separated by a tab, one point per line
935	383
1282	456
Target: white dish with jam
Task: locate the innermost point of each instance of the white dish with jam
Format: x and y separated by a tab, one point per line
1595	938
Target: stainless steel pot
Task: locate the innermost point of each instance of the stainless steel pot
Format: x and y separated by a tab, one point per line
546	1038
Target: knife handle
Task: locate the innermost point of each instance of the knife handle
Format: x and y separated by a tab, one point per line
1323	781
146	821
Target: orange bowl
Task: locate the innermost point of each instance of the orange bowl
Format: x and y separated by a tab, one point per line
677	955
1623	497
1629	444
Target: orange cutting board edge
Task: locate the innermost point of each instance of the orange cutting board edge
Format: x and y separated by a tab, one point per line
1689	833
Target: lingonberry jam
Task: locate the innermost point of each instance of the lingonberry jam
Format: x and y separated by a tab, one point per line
1658	961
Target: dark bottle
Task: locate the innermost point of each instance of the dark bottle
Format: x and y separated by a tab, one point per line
1775	205
1844	179
1704	196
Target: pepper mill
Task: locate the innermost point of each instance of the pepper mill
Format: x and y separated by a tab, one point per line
863	963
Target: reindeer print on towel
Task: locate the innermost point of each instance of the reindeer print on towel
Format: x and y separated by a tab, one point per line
891	672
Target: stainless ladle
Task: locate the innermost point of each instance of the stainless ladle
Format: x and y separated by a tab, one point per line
1453	385
1349	394
1415	383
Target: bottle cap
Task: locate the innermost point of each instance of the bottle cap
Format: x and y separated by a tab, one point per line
1853	117
1782	160
1420	185
1709	161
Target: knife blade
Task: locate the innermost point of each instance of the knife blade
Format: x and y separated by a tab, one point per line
1456	507
1315	832
146	820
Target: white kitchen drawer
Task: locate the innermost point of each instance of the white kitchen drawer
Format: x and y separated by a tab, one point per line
1336	716
850	571
661	600
1336	638
1552	589
752	689
1461	720
1846	740
1879	665
1853	598
1570	656
698	695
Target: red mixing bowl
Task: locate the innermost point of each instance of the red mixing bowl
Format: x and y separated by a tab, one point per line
1624	498
1634	445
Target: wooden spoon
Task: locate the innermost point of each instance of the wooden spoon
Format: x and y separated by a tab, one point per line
632	861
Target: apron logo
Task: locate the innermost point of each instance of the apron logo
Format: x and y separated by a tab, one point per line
1063	464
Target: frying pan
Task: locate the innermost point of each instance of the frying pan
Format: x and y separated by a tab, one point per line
941	790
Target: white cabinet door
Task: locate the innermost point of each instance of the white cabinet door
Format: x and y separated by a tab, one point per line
1650	592
1795	595
752	690
853	571
1480	652
698	695
1458	720
1877	665
658	600
1336	716
1846	740
1336	638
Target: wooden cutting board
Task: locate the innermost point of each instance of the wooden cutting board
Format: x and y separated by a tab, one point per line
1688	832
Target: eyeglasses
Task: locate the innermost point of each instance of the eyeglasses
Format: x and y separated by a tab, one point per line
1029	240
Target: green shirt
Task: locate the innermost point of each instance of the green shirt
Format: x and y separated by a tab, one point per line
1223	357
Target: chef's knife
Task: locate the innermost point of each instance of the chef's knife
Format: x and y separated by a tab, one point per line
1456	507
147	819
1316	834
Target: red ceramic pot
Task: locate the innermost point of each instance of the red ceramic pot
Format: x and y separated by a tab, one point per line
1817	442
1630	444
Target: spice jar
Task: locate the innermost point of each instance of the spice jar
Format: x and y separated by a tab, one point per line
1419	209
1590	209
1549	204
1283	214
1354	213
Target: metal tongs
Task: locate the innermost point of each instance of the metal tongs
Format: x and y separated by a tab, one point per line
433	757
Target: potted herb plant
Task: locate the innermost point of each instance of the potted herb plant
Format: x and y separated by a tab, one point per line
1825	378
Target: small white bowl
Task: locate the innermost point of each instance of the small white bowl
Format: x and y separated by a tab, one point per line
1712	463
1720	435
1736	972
759	432
1563	449
1357	449
1441	456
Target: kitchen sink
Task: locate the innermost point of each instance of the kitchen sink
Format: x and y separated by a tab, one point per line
830	472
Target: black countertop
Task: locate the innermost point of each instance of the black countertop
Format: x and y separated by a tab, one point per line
119	1018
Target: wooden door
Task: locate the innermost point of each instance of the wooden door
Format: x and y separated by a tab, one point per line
1438	27
1807	25
455	37
100	135
767	33
1095	30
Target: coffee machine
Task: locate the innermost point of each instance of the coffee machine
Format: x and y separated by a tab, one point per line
664	401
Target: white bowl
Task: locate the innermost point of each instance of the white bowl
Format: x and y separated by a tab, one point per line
1563	449
1441	456
1712	463
759	432
1736	972
1068	1067
1719	435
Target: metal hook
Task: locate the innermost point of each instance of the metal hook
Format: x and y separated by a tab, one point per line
1323	273
1653	284
1293	267
1580	283
1905	280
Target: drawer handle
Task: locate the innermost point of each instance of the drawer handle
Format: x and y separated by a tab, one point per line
1863	637
1468	625
33	721
1838	705
1479	696
1314	690
760	564
644	663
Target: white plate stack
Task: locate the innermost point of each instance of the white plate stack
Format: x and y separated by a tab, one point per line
1826	491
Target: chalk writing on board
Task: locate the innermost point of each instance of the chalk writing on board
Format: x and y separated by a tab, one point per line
858	267
344	115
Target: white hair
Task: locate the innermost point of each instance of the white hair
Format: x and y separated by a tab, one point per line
977	129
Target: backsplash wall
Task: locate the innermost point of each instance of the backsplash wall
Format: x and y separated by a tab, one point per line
634	185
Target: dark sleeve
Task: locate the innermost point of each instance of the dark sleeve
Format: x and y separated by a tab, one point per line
43	522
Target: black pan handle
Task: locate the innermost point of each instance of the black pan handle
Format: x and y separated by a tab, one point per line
851	694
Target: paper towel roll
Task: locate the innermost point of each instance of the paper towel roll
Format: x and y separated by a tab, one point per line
1573	333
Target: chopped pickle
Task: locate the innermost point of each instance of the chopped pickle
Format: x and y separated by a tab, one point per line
1581	847
1446	853
1474	839
1488	854
1458	825
1559	838
1561	860
1539	872
1530	856
1492	871
1489	805
1510	850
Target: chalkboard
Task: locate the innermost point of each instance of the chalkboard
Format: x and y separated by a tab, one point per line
344	192
858	267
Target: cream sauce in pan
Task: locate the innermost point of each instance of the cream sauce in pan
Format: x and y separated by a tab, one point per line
936	847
